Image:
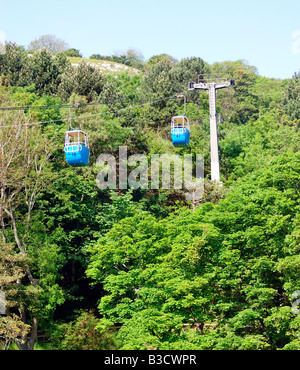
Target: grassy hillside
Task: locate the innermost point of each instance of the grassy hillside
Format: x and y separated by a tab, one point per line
105	66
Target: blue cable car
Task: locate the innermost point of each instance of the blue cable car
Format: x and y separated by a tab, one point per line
77	148
180	131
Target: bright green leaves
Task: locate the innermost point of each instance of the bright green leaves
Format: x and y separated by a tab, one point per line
291	98
128	245
150	270
228	270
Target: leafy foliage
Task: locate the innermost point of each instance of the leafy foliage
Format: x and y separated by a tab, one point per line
80	334
82	80
142	269
291	97
216	269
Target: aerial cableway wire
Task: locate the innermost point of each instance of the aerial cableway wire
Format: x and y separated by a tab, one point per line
78	106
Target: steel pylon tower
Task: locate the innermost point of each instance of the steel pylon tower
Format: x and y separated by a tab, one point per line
212	83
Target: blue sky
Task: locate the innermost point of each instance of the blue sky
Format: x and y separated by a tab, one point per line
265	33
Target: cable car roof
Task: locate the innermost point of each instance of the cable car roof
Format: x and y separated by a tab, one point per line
179	119
74	133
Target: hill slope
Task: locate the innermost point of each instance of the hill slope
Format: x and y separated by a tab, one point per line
105	66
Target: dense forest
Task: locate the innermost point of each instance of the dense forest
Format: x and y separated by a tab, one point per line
89	268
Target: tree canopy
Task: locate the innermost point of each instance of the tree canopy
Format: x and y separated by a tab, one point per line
92	268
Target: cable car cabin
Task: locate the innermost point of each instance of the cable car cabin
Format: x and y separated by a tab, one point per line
77	148
180	131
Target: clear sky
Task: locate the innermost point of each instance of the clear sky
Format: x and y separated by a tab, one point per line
265	33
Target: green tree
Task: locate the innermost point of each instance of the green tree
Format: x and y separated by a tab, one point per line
95	56
157	87
208	279
81	334
135	57
241	104
154	280
186	70
256	144
291	97
161	57
25	171
73	53
11	63
120	207
132	57
83	79
13	268
44	71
